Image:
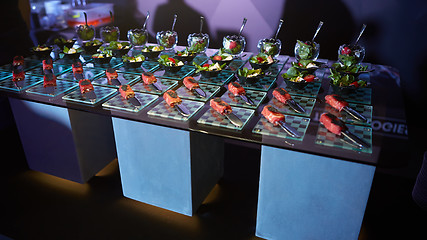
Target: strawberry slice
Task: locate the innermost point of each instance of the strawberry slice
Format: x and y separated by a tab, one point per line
346	51
309	78
233	44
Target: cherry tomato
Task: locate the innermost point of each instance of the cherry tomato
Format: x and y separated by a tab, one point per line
346	51
355	83
172	60
206	65
309	78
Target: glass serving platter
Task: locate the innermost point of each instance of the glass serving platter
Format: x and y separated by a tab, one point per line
165	84
61	87
30	80
365	110
300	124
304	102
124	79
210	91
326	138
256	96
119	103
163	110
102	93
213	118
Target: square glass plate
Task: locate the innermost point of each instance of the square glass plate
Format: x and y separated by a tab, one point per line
61	87
124	79
210	91
165	84
326	138
365	110
213	118
4	75
102	93
119	103
256	96
58	69
361	95
300	124
88	73
265	83
29	64
163	110
30	80
304	102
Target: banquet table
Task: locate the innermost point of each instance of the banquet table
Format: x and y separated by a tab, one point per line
314	186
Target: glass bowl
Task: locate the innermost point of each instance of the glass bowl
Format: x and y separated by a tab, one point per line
234	44
198	42
138	37
270	46
350	55
109	34
85	33
306	50
167	39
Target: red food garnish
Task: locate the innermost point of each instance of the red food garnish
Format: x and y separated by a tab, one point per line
220	106
332	123
260	59
172	60
126	91
281	94
111	74
309	78
217	57
148	78
190	83
272	114
233	44
336	101
206	65
77	67
18	60
171	98
355	83
346	51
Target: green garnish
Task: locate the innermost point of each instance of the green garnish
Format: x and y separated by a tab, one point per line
245	72
137	58
306	50
114	45
211	67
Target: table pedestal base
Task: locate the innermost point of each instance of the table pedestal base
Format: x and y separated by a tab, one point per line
303	196
66	143
165	167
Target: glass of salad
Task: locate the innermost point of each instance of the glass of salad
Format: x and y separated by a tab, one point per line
198	42
306	50
350	55
138	37
110	33
270	46
85	33
168	39
234	44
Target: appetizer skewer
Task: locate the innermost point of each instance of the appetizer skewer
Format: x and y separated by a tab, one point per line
336	126
112	77
192	85
149	79
277	118
237	90
224	109
284	97
340	104
173	100
78	70
127	93
86	88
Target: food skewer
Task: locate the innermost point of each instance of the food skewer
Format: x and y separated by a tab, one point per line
275	117
194	86
173	100
340	104
149	79
127	93
237	90
224	109
284	97
86	89
338	127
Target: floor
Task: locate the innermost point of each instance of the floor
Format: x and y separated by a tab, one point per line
35	205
